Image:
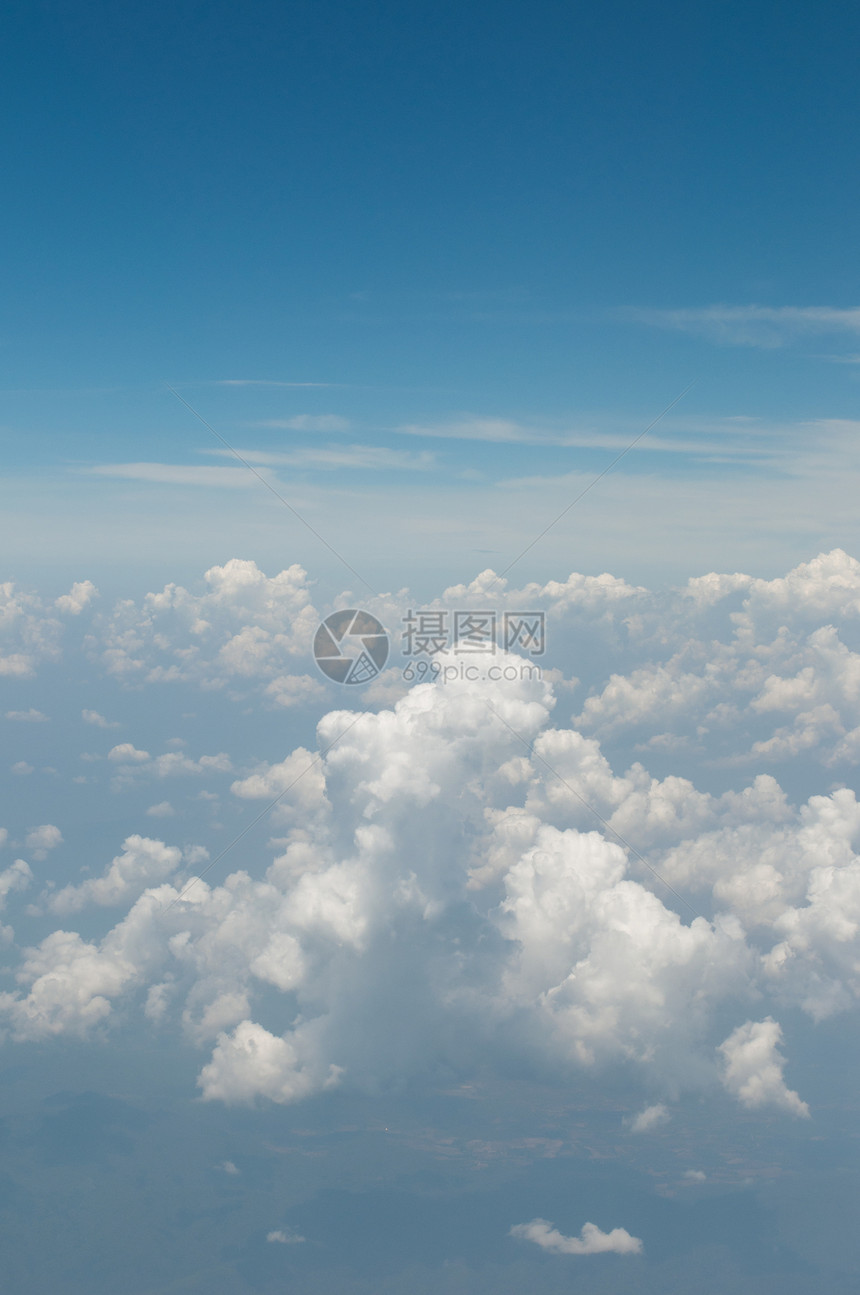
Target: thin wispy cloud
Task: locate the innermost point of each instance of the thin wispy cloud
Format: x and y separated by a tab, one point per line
176	474
268	382
768	327
374	457
305	423
497	430
692	435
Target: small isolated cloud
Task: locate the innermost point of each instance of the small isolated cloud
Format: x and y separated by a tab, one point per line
695	1176
284	1237
42	839
22	768
651	1118
229	1167
591	1240
163	809
30	716
99	721
126	753
81	593
754	1066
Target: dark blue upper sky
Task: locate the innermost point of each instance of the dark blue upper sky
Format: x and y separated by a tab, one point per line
228	184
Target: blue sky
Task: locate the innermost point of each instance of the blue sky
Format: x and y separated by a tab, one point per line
484	984
441	218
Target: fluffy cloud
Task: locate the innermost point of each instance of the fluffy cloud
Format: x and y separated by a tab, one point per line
754	1066
29	634
99	721
79	596
133	765
591	1240
507	924
245	628
16	877
42	839
142	863
70	984
652	1117
467	873
127	753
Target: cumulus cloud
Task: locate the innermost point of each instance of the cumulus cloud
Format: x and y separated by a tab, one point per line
127	753
79	596
133	764
29	633
42	839
591	1240
99	721
246	628
143	861
163	809
465	872
754	1067
16	877
30	716
652	1117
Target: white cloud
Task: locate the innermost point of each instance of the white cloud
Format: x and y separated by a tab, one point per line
176	474
285	1238
376	458
30	716
29	633
229	1167
695	1175
754	1067
449	870
70	985
16	877
254	1063
306	423
591	1241
246	627
142	862
42	839
22	768
93	717
652	1117
127	753
163	809
79	596
761	326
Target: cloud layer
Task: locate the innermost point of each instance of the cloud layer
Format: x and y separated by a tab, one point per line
466	873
